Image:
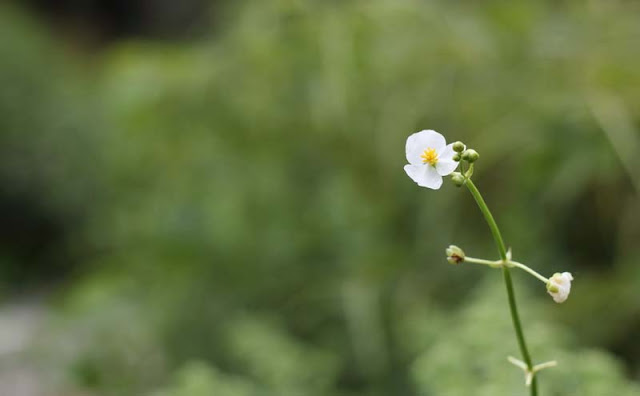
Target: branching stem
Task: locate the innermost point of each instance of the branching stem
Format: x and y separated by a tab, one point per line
508	263
515	318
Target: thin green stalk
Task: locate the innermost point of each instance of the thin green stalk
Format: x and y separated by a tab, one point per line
515	318
489	218
490	263
529	270
508	263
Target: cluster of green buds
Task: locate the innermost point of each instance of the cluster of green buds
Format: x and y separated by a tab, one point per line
462	155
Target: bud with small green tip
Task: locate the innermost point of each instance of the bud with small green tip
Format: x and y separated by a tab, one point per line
457	157
457	178
559	286
455	255
470	155
458	147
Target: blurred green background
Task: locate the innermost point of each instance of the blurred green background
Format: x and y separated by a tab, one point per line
207	198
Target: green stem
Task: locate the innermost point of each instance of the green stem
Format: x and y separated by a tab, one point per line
508	263
489	218
515	318
529	270
490	263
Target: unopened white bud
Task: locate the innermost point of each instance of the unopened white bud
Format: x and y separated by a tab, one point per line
559	286
455	255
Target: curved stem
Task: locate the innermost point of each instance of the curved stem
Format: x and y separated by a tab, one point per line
515	318
489	218
529	270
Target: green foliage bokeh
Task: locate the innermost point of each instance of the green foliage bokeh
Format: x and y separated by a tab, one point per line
241	224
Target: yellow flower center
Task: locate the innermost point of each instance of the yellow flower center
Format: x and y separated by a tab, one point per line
429	156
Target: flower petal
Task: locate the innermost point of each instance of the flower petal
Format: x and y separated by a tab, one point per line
446	165
424	176
420	141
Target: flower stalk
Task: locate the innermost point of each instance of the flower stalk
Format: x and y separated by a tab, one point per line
513	307
495	231
515	318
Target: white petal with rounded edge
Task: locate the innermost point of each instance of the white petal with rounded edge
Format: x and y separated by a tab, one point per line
420	141
424	176
446	165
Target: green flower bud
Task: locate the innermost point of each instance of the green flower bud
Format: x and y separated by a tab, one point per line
457	178
470	155
457	157
455	255
458	147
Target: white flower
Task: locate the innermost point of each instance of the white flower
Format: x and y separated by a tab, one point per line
429	158
559	286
